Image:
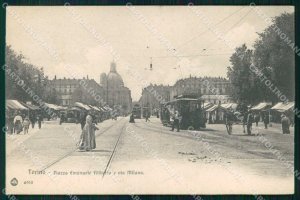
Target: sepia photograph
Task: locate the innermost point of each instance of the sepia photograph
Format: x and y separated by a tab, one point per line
150	100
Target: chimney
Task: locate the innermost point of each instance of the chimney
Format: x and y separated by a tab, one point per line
54	77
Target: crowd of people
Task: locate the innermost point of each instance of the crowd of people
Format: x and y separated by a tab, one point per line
249	117
16	122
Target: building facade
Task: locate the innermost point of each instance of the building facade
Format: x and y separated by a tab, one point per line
211	87
84	90
115	92
154	95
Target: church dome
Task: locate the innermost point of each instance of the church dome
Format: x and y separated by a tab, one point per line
114	80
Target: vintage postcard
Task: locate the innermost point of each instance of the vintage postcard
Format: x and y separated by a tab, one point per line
150	99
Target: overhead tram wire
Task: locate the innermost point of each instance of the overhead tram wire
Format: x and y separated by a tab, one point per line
243	17
221	21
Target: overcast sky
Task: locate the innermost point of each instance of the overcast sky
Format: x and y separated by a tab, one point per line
68	33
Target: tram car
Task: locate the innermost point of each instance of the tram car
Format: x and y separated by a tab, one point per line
191	113
136	111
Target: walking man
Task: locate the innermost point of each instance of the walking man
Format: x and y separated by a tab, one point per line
256	118
39	119
249	123
147	117
266	120
176	121
285	123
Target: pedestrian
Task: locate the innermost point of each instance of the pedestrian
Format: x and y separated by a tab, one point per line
256	118
83	116
266	120
10	122
176	121
26	124
39	120
62	118
285	123
87	139
147	116
249	123
18	123
32	119
131	120
245	115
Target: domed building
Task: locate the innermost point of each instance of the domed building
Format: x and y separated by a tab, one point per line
116	94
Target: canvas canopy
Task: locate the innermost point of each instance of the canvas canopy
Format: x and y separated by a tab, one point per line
229	106
207	105
31	107
282	107
81	105
213	108
261	106
95	108
15	105
52	106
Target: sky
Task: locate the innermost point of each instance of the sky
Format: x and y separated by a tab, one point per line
180	40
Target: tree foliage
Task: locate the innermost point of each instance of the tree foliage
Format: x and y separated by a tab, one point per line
273	56
32	76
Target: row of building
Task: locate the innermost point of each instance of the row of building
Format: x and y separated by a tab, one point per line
110	91
215	90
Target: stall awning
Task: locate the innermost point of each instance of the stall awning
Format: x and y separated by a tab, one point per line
81	105
282	107
213	108
95	108
52	106
75	109
229	106
207	105
15	105
261	106
31	107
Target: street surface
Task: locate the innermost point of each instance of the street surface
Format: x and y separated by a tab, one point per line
146	157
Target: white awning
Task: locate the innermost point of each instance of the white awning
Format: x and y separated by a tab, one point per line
214	107
52	106
261	106
207	105
81	105
229	106
95	108
282	107
15	105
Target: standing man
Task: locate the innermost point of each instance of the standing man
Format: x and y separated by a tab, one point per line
266	120
32	119
285	123
256	118
39	119
245	115
147	116
176	121
249	122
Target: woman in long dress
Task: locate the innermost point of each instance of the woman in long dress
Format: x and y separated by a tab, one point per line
87	139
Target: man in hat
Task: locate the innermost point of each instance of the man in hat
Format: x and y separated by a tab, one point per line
250	120
285	123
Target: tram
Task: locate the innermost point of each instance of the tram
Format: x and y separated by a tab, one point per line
190	109
136	111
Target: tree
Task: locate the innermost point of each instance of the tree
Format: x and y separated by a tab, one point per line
240	75
31	76
275	57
